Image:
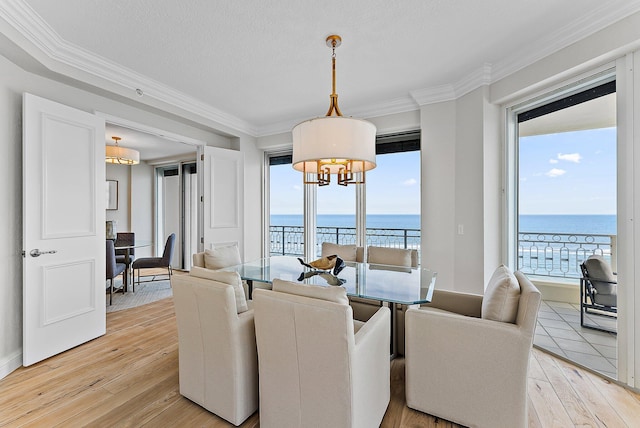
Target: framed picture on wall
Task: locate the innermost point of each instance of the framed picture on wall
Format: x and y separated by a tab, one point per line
112	194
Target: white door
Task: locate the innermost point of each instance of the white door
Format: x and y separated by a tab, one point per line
63	187
223	197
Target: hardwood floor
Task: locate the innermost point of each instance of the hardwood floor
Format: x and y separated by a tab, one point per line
129	377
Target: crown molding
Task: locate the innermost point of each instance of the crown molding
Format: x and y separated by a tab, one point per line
393	106
38	38
434	94
607	14
36	31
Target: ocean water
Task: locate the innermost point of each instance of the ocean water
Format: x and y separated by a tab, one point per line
569	223
583	224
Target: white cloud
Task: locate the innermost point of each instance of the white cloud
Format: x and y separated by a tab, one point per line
410	182
553	161
297	187
570	157
555	172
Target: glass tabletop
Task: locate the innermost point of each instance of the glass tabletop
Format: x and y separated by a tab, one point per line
373	281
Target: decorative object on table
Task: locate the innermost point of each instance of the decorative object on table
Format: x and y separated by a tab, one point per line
330	278
111	229
338	145
325	264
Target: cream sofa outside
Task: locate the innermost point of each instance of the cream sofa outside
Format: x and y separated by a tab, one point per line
467	369
218	363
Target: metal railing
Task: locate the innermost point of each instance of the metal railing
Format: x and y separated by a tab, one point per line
543	254
289	240
560	254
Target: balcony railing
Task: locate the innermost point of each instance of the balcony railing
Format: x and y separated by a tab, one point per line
289	240
560	254
556	255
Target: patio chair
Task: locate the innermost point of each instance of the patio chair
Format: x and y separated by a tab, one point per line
598	291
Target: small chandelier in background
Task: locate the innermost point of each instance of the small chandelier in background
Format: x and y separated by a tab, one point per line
121	155
334	144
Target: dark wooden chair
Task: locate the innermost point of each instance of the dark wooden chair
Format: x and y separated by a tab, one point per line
113	269
125	255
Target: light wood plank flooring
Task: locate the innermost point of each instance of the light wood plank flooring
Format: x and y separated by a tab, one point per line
129	377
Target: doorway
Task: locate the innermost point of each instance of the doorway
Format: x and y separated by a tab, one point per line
566	211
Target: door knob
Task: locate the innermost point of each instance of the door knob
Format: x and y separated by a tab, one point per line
37	252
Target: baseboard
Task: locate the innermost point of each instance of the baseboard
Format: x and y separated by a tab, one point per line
558	292
10	364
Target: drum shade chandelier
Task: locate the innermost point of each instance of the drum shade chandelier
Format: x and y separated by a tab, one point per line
334	144
121	155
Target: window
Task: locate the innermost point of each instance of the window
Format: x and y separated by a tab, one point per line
392	209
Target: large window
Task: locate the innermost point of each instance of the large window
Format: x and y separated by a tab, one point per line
391	212
567	182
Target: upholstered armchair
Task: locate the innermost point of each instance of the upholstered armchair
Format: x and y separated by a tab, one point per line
218	364
317	367
363	309
467	356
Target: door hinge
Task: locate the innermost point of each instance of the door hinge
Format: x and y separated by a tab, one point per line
202	157
201	198
202	240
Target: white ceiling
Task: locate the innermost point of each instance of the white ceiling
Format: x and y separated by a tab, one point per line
260	67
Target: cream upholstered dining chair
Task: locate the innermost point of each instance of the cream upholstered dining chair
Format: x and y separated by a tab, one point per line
363	309
467	355
319	368
222	257
218	364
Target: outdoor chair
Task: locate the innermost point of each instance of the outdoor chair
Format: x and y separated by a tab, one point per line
156	262
598	291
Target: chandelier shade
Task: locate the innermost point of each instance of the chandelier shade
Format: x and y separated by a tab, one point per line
331	141
334	144
121	155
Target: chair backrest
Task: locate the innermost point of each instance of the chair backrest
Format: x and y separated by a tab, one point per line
110	260
348	253
599	273
167	255
392	256
218	363
528	305
305	351
125	238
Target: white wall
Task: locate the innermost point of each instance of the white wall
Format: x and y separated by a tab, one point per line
120	173
438	190
142	206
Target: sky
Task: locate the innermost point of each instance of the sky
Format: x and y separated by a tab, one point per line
393	187
568	173
563	173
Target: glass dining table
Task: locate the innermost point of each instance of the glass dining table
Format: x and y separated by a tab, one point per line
390	284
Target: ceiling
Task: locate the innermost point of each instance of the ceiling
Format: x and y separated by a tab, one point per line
260	67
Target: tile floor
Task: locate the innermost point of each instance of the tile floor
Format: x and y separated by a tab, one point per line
559	331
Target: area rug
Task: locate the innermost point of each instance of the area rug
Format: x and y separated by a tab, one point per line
146	292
